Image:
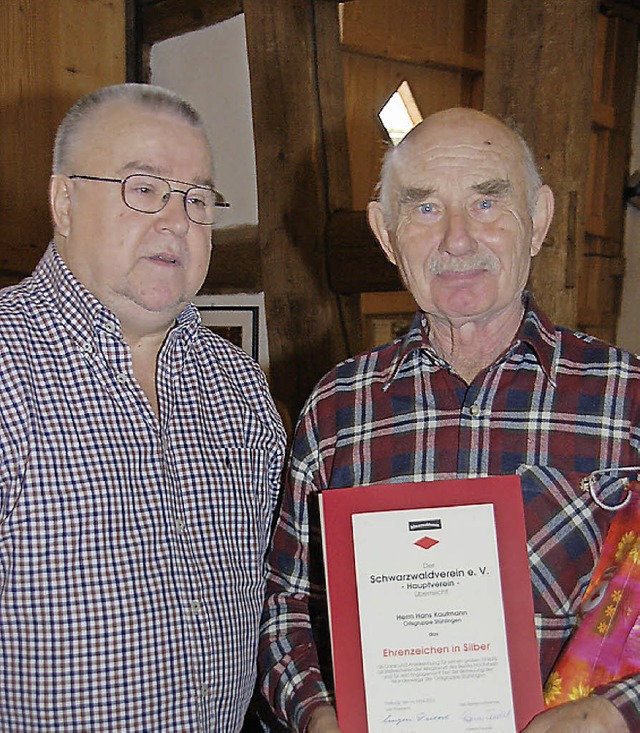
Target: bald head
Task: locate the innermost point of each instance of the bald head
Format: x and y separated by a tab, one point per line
455	127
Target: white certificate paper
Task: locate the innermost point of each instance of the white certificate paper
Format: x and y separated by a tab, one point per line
430	603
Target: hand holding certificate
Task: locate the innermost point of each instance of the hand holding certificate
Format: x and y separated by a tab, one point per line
431	608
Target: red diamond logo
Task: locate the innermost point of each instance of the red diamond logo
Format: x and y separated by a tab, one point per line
426	543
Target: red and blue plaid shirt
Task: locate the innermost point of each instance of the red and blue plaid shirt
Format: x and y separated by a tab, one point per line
554	408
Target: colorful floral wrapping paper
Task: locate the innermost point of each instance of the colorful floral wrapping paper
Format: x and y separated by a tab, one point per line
605	646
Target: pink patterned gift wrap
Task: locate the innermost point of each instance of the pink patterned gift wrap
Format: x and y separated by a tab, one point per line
605	646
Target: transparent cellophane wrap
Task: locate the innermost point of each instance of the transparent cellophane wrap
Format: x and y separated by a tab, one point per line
605	646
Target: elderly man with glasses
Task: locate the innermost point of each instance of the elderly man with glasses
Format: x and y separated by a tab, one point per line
141	453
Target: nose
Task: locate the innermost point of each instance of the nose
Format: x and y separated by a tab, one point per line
457	238
174	217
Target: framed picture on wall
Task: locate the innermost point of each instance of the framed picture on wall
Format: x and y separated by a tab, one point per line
240	319
385	316
238	324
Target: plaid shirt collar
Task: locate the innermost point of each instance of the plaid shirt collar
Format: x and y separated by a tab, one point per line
536	332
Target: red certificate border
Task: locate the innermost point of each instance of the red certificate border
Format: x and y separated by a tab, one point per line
505	493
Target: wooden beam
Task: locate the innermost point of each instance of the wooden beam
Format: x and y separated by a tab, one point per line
628	9
380	30
538	71
168	18
329	65
235	261
429	58
303	320
604	115
355	260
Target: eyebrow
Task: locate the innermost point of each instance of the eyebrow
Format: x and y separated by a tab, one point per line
490	187
413	194
493	187
139	166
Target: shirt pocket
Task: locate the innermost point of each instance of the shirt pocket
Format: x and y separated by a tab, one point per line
232	506
565	530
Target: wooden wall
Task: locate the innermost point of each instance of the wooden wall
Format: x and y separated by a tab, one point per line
51	53
566	71
614	84
314	99
442	60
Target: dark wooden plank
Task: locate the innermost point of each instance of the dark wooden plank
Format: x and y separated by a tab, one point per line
235	265
600	284
332	107
629	9
336	147
169	18
356	261
133	49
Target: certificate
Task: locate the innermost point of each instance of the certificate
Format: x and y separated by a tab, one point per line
431	607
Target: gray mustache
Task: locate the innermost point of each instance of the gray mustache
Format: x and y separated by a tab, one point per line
463	264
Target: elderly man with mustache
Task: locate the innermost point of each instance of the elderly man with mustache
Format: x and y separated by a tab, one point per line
482	384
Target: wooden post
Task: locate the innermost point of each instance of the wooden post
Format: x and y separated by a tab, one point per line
538	71
306	337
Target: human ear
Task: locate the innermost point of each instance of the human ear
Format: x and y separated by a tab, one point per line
60	203
542	216
375	216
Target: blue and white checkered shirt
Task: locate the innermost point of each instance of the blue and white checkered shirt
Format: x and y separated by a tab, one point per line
131	547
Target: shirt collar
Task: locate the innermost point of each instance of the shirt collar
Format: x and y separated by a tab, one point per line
536	331
83	314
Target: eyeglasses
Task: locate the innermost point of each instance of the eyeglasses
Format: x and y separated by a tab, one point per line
150	194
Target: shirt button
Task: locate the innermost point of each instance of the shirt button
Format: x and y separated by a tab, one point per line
87	347
474	410
196	607
205	690
121	378
180	526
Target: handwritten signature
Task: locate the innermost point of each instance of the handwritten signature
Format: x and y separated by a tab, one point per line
397	720
483	717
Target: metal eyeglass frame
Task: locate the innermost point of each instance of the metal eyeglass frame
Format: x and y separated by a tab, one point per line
219	198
